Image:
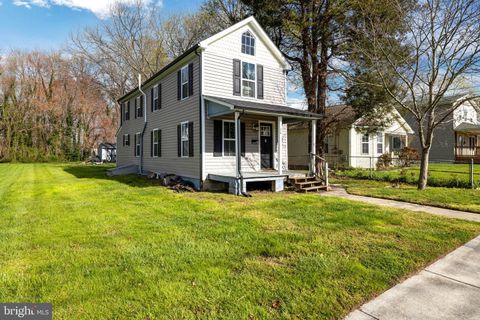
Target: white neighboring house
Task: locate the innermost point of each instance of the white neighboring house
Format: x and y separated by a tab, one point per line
349	145
107	152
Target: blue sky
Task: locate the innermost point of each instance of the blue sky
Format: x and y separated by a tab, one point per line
46	24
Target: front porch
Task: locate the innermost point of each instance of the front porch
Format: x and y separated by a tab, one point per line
467	146
250	143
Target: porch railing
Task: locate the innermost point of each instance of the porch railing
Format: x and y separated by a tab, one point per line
466	151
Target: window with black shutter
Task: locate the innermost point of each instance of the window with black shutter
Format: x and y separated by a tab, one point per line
155	145
217	138
190	79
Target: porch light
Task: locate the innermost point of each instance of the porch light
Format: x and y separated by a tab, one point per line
255	126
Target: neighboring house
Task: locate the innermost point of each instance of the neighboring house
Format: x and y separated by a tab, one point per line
215	115
349	144
107	152
456	138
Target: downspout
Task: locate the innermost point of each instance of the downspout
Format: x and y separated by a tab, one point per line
144	120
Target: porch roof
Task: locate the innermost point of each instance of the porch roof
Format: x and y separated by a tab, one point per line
232	105
468	127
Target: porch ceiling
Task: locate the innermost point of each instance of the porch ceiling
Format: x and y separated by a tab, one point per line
248	107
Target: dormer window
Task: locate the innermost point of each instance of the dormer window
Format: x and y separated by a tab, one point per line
248	43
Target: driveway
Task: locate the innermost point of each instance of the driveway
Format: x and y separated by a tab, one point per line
447	289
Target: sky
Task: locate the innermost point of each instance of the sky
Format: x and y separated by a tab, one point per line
46	24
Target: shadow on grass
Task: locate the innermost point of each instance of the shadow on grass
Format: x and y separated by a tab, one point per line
83	171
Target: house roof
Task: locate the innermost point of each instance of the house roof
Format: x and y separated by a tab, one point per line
468	127
205	43
235	104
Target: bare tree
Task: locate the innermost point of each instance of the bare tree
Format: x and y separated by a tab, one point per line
441	51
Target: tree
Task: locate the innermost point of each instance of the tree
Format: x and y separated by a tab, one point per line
442	43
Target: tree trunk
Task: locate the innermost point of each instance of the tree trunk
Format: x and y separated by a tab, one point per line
423	177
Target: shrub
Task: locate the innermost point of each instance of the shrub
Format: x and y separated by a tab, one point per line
384	161
407	156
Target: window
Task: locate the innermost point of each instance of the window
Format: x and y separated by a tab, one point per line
471	142
126	140
155	98
265	131
248	43
248	79
228	138
155	143
127	111
139	107
396	143
184	139
380	143
365	144
137	144
184	82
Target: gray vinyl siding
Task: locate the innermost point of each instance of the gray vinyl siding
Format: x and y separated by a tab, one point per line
166	119
125	154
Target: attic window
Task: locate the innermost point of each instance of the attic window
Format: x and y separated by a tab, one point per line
248	43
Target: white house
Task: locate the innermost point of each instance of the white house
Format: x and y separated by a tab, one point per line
349	144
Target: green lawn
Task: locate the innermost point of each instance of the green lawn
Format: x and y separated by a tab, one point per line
439	175
452	198
125	248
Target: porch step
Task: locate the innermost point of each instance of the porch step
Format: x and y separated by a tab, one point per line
313	189
307	184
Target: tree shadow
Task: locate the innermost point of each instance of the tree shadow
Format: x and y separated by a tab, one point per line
99	172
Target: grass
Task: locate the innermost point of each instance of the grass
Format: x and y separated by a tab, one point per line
125	248
451	198
439	175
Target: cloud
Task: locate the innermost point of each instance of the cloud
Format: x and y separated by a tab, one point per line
101	8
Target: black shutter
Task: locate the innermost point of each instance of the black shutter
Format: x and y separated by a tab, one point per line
190	79
179	85
142	101
242	138
259	81
159	133
123	140
127	117
217	138
151	143
151	98
122	106
135	145
190	139
159	89
236	77
179	141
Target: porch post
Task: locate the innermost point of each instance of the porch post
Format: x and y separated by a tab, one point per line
237	145
280	144
313	147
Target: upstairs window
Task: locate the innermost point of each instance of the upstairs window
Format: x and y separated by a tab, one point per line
184	83
155	98
248	43
248	79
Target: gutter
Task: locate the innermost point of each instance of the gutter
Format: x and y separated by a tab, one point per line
144	119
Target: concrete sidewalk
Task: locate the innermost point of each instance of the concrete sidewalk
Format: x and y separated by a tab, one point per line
447	289
340	192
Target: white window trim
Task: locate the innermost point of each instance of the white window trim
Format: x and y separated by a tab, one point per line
157	143
181	139
228	139
138	106
138	144
182	83
254	47
155	92
380	143
365	142
254	81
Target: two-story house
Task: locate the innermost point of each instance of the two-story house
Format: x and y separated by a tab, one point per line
217	114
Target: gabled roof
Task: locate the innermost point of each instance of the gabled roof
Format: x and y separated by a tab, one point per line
253	23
